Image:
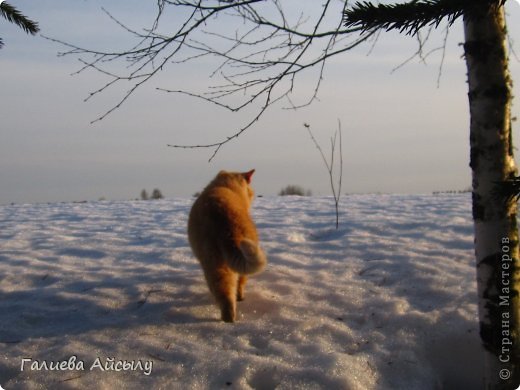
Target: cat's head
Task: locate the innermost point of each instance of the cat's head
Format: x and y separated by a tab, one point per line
239	181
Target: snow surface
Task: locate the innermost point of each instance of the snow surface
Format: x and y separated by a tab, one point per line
388	301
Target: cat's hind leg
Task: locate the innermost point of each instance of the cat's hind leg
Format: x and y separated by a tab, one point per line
242	279
225	292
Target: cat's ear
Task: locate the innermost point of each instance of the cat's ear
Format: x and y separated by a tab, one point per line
248	175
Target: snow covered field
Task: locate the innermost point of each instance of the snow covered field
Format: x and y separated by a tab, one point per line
111	290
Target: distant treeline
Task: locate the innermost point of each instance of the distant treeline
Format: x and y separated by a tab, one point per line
156	194
452	191
294	190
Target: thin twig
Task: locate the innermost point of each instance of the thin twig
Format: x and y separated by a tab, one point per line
336	192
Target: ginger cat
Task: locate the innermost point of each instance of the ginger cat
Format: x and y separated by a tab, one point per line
223	237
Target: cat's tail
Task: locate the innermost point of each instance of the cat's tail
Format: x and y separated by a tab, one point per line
250	258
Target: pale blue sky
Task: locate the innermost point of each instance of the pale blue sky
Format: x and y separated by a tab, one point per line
401	132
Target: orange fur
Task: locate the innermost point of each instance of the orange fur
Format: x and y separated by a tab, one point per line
223	237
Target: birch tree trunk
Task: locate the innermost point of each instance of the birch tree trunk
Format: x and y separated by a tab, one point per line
496	231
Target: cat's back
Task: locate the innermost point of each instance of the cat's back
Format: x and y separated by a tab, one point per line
220	212
214	209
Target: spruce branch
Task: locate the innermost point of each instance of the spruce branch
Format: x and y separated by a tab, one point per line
12	15
412	16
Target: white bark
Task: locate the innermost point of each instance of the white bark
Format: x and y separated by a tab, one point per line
495	219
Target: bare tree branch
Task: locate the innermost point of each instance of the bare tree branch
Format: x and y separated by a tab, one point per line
261	50
423	55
